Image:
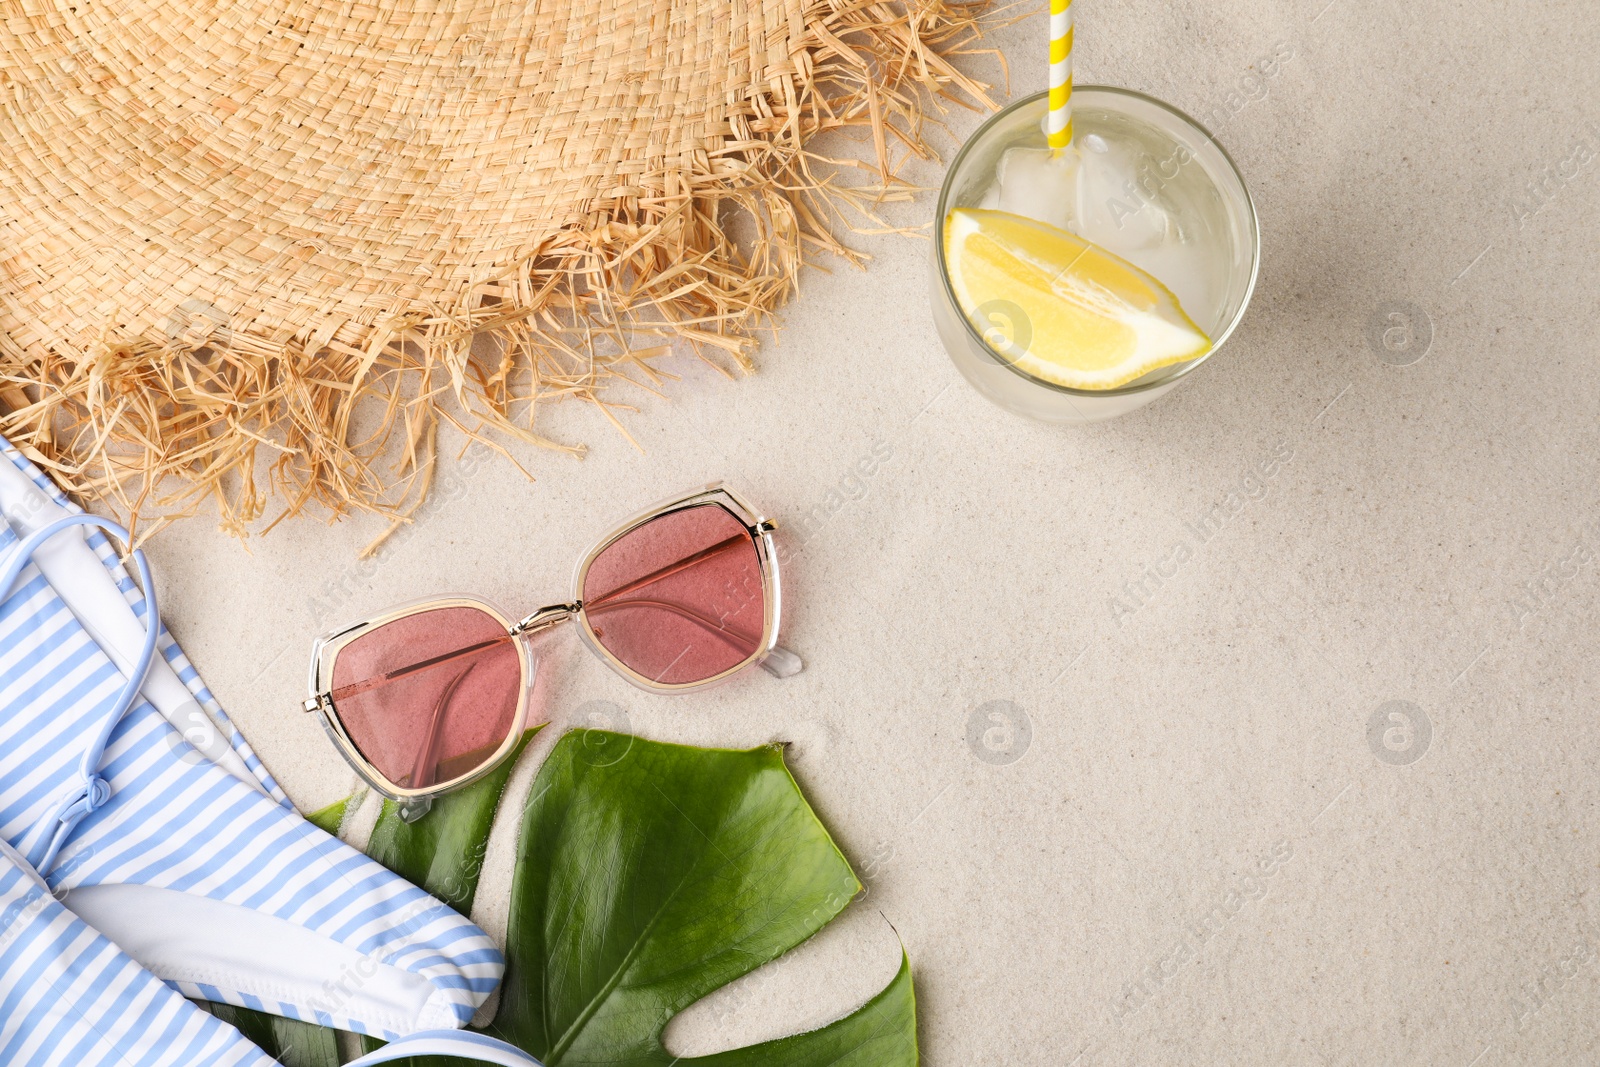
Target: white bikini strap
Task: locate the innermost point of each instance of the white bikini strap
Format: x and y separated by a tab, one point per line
94	791
462	1043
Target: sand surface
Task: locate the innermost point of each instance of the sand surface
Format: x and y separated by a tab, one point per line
1320	791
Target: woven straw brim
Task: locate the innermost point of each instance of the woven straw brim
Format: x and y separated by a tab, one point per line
225	228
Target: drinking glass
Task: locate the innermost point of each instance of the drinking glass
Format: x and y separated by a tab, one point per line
1180	165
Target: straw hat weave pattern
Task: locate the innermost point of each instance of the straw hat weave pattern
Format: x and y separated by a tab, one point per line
225	226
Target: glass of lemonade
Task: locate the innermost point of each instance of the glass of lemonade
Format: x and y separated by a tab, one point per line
1156	189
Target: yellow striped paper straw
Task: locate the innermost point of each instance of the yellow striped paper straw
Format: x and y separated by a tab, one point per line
1058	128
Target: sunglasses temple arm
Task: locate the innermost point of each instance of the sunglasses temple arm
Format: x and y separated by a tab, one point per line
779	662
425	768
668	571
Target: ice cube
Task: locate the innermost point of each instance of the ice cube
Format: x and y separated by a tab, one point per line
1040	184
1095	191
1112	208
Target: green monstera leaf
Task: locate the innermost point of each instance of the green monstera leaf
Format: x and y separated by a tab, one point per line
333	817
650	875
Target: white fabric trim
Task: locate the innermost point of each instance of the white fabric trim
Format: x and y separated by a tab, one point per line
193	940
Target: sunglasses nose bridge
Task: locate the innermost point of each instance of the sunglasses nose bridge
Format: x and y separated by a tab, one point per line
546	617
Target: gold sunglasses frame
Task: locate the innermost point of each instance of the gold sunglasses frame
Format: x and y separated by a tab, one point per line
415	802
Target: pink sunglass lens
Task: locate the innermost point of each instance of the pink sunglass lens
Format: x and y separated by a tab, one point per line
429	697
679	599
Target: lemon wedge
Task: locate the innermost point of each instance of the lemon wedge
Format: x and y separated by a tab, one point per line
1062	308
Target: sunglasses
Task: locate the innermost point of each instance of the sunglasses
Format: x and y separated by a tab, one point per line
430	696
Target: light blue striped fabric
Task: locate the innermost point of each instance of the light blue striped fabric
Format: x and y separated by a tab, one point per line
69	997
206	879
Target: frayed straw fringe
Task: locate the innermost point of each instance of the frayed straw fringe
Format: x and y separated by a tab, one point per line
154	426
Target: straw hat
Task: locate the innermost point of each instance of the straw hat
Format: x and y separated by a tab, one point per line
224	224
